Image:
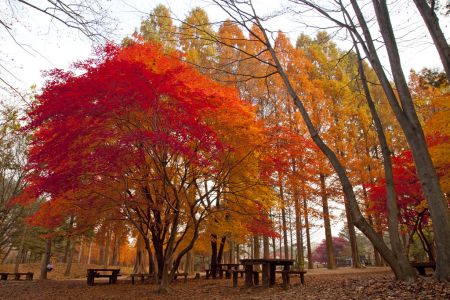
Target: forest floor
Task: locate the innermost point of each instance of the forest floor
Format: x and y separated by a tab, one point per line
343	283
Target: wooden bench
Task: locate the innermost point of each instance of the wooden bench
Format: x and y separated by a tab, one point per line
177	274
286	274
142	276
95	273
421	266
27	275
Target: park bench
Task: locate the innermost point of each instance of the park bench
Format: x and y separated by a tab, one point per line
95	273
141	276
286	274
27	275
421	266
178	274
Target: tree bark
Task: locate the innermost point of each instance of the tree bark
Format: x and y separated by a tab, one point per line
357	217
89	252
326	224
140	263
283	221
107	247
408	272
440	42
308	236
299	231
352	237
80	252
214	261
69	261
46	259
406	115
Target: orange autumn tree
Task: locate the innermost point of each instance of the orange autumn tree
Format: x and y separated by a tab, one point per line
140	132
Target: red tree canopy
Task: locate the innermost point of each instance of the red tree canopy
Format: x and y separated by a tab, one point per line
99	129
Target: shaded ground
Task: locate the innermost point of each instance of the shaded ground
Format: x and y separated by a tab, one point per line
369	283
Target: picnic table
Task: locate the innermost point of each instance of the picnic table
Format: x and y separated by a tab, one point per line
99	273
268	270
227	269
420	266
27	275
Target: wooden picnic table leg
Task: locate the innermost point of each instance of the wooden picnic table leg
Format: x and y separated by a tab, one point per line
271	274
248	275
90	278
287	267
421	270
235	279
265	275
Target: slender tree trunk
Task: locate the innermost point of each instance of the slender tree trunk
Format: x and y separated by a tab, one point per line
291	242
221	247
352	237
308	236
89	252
69	261
298	231
46	259
440	42
283	220
266	247
214	261
108	247
115	253
327	224
21	250
80	252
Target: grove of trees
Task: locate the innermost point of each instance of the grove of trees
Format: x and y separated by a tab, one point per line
228	140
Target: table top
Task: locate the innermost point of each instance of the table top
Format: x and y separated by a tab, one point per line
277	261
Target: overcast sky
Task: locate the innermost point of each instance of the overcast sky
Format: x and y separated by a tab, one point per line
47	44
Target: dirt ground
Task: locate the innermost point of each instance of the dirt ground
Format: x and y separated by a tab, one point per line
343	283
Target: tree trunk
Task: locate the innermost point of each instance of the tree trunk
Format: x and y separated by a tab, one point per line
214	261
440	42
352	237
19	256
45	259
89	252
407	271
406	115
221	247
266	247
308	236
115	250
140	263
357	217
69	261
283	221
80	252
298	231
108	247
327	225
189	264
69	239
